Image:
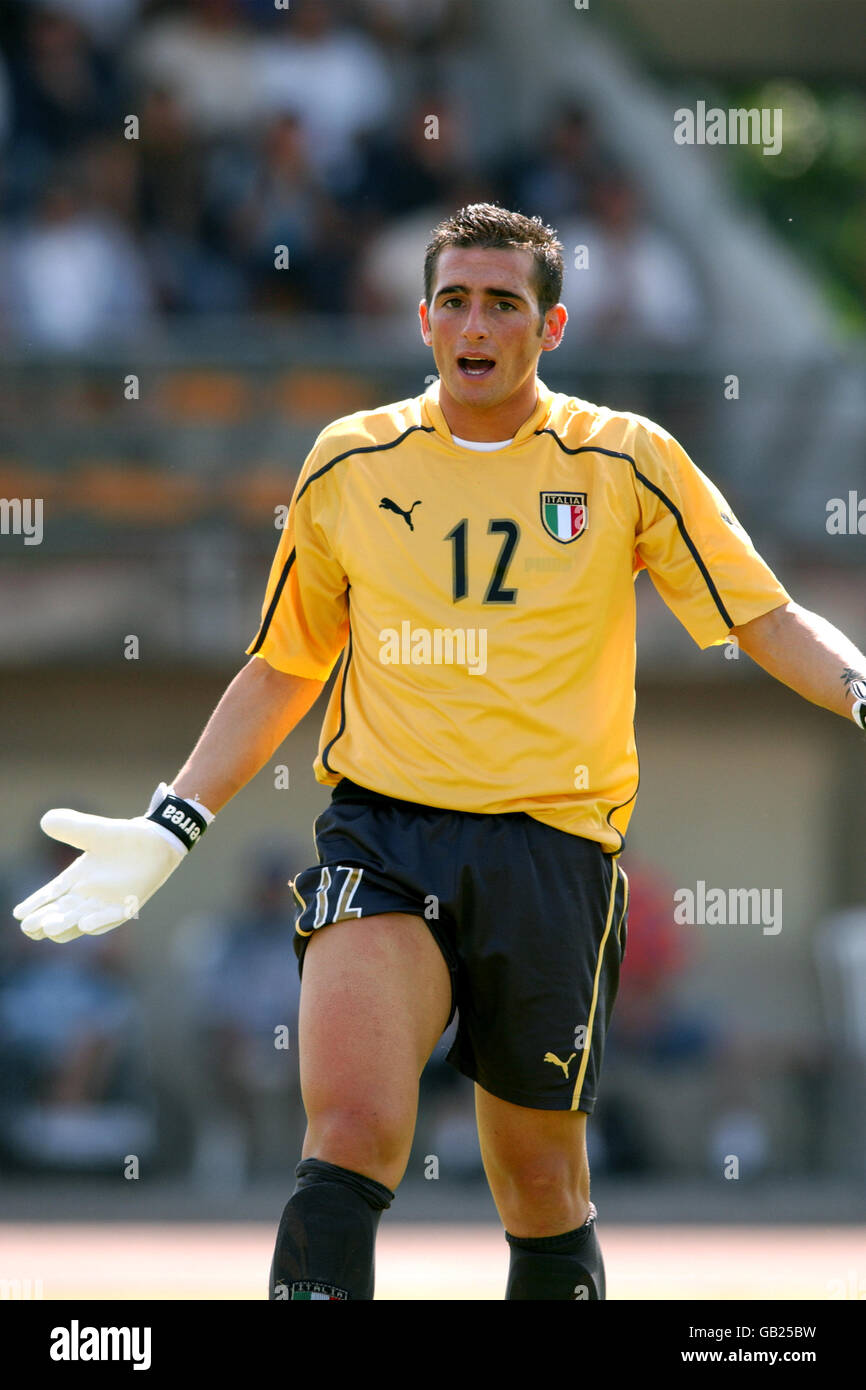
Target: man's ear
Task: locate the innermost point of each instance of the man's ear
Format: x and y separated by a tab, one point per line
553	327
425	323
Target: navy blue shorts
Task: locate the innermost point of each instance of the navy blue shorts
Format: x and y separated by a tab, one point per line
531	921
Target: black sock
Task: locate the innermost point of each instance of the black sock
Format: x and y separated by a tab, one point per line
327	1234
557	1267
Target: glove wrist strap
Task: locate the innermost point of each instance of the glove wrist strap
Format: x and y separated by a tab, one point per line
858	709
183	819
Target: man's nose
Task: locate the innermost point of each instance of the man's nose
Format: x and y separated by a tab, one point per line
475	327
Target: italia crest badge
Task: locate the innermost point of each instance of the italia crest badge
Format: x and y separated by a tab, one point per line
564	515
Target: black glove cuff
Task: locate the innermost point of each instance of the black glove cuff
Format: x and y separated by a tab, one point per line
181	818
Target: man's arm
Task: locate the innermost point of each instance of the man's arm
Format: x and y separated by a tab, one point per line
807	653
257	711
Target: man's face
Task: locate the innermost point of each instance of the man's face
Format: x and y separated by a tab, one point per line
483	324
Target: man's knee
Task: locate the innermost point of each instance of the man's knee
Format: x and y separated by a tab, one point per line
542	1177
544	1193
370	1139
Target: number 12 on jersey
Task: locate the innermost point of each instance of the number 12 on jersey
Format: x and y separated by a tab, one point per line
459	538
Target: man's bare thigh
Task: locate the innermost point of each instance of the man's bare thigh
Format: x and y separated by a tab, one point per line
375	998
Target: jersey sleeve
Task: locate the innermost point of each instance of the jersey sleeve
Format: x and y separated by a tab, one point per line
305	613
699	558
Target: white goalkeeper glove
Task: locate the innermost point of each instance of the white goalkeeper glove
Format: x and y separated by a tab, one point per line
123	864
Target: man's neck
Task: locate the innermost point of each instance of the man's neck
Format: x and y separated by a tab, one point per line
496	423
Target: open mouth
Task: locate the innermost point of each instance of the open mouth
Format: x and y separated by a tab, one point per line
475	366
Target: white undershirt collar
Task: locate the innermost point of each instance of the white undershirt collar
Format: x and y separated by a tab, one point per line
483	446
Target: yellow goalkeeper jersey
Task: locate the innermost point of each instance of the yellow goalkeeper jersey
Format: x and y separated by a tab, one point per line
484	603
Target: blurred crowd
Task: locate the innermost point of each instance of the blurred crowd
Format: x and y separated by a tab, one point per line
203	1076
86	1082
75	1091
154	156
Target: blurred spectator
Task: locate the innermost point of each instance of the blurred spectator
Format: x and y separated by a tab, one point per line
665	1053
72	1092
418	22
652	1032
635	285
72	275
106	21
204	56
188	264
278	198
553	179
419	40
333	77
649	1021
5	102
64	89
107	166
244	988
414	166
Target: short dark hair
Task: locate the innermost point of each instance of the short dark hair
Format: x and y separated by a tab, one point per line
490	227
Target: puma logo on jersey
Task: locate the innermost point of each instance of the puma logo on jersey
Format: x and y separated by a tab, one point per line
392	507
552	1057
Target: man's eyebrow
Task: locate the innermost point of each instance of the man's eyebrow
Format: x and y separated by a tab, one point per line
492	290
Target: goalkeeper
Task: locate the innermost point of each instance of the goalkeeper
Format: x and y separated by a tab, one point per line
471	553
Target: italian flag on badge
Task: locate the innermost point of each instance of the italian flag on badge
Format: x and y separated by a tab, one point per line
307	1290
563	515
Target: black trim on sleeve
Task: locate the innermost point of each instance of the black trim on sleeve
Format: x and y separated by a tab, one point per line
362	449
681	526
272	606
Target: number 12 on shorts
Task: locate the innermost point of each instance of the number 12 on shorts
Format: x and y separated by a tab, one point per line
344	888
